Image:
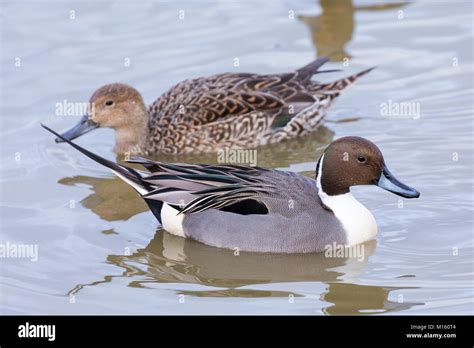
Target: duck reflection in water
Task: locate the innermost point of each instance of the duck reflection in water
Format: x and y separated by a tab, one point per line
171	259
332	30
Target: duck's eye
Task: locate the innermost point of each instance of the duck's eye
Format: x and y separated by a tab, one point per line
361	159
109	102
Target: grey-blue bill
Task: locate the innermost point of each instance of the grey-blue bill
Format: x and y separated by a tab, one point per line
388	182
84	126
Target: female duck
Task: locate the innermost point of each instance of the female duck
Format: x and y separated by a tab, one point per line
233	110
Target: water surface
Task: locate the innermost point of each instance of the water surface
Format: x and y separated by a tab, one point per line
101	251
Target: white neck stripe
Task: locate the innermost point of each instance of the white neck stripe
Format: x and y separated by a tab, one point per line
357	221
320	173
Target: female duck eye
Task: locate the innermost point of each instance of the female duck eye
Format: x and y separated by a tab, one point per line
361	159
109	102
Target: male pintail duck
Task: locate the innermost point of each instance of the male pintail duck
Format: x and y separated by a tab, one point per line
232	110
264	210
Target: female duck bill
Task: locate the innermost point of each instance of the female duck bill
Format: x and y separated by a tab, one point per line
84	126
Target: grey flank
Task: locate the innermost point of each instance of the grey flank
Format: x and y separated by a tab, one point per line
297	221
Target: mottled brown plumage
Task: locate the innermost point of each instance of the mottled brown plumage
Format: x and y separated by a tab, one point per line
233	110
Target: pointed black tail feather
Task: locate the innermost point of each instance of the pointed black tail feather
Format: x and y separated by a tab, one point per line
128	173
305	73
155	208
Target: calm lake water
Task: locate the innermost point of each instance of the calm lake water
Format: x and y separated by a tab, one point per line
101	251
